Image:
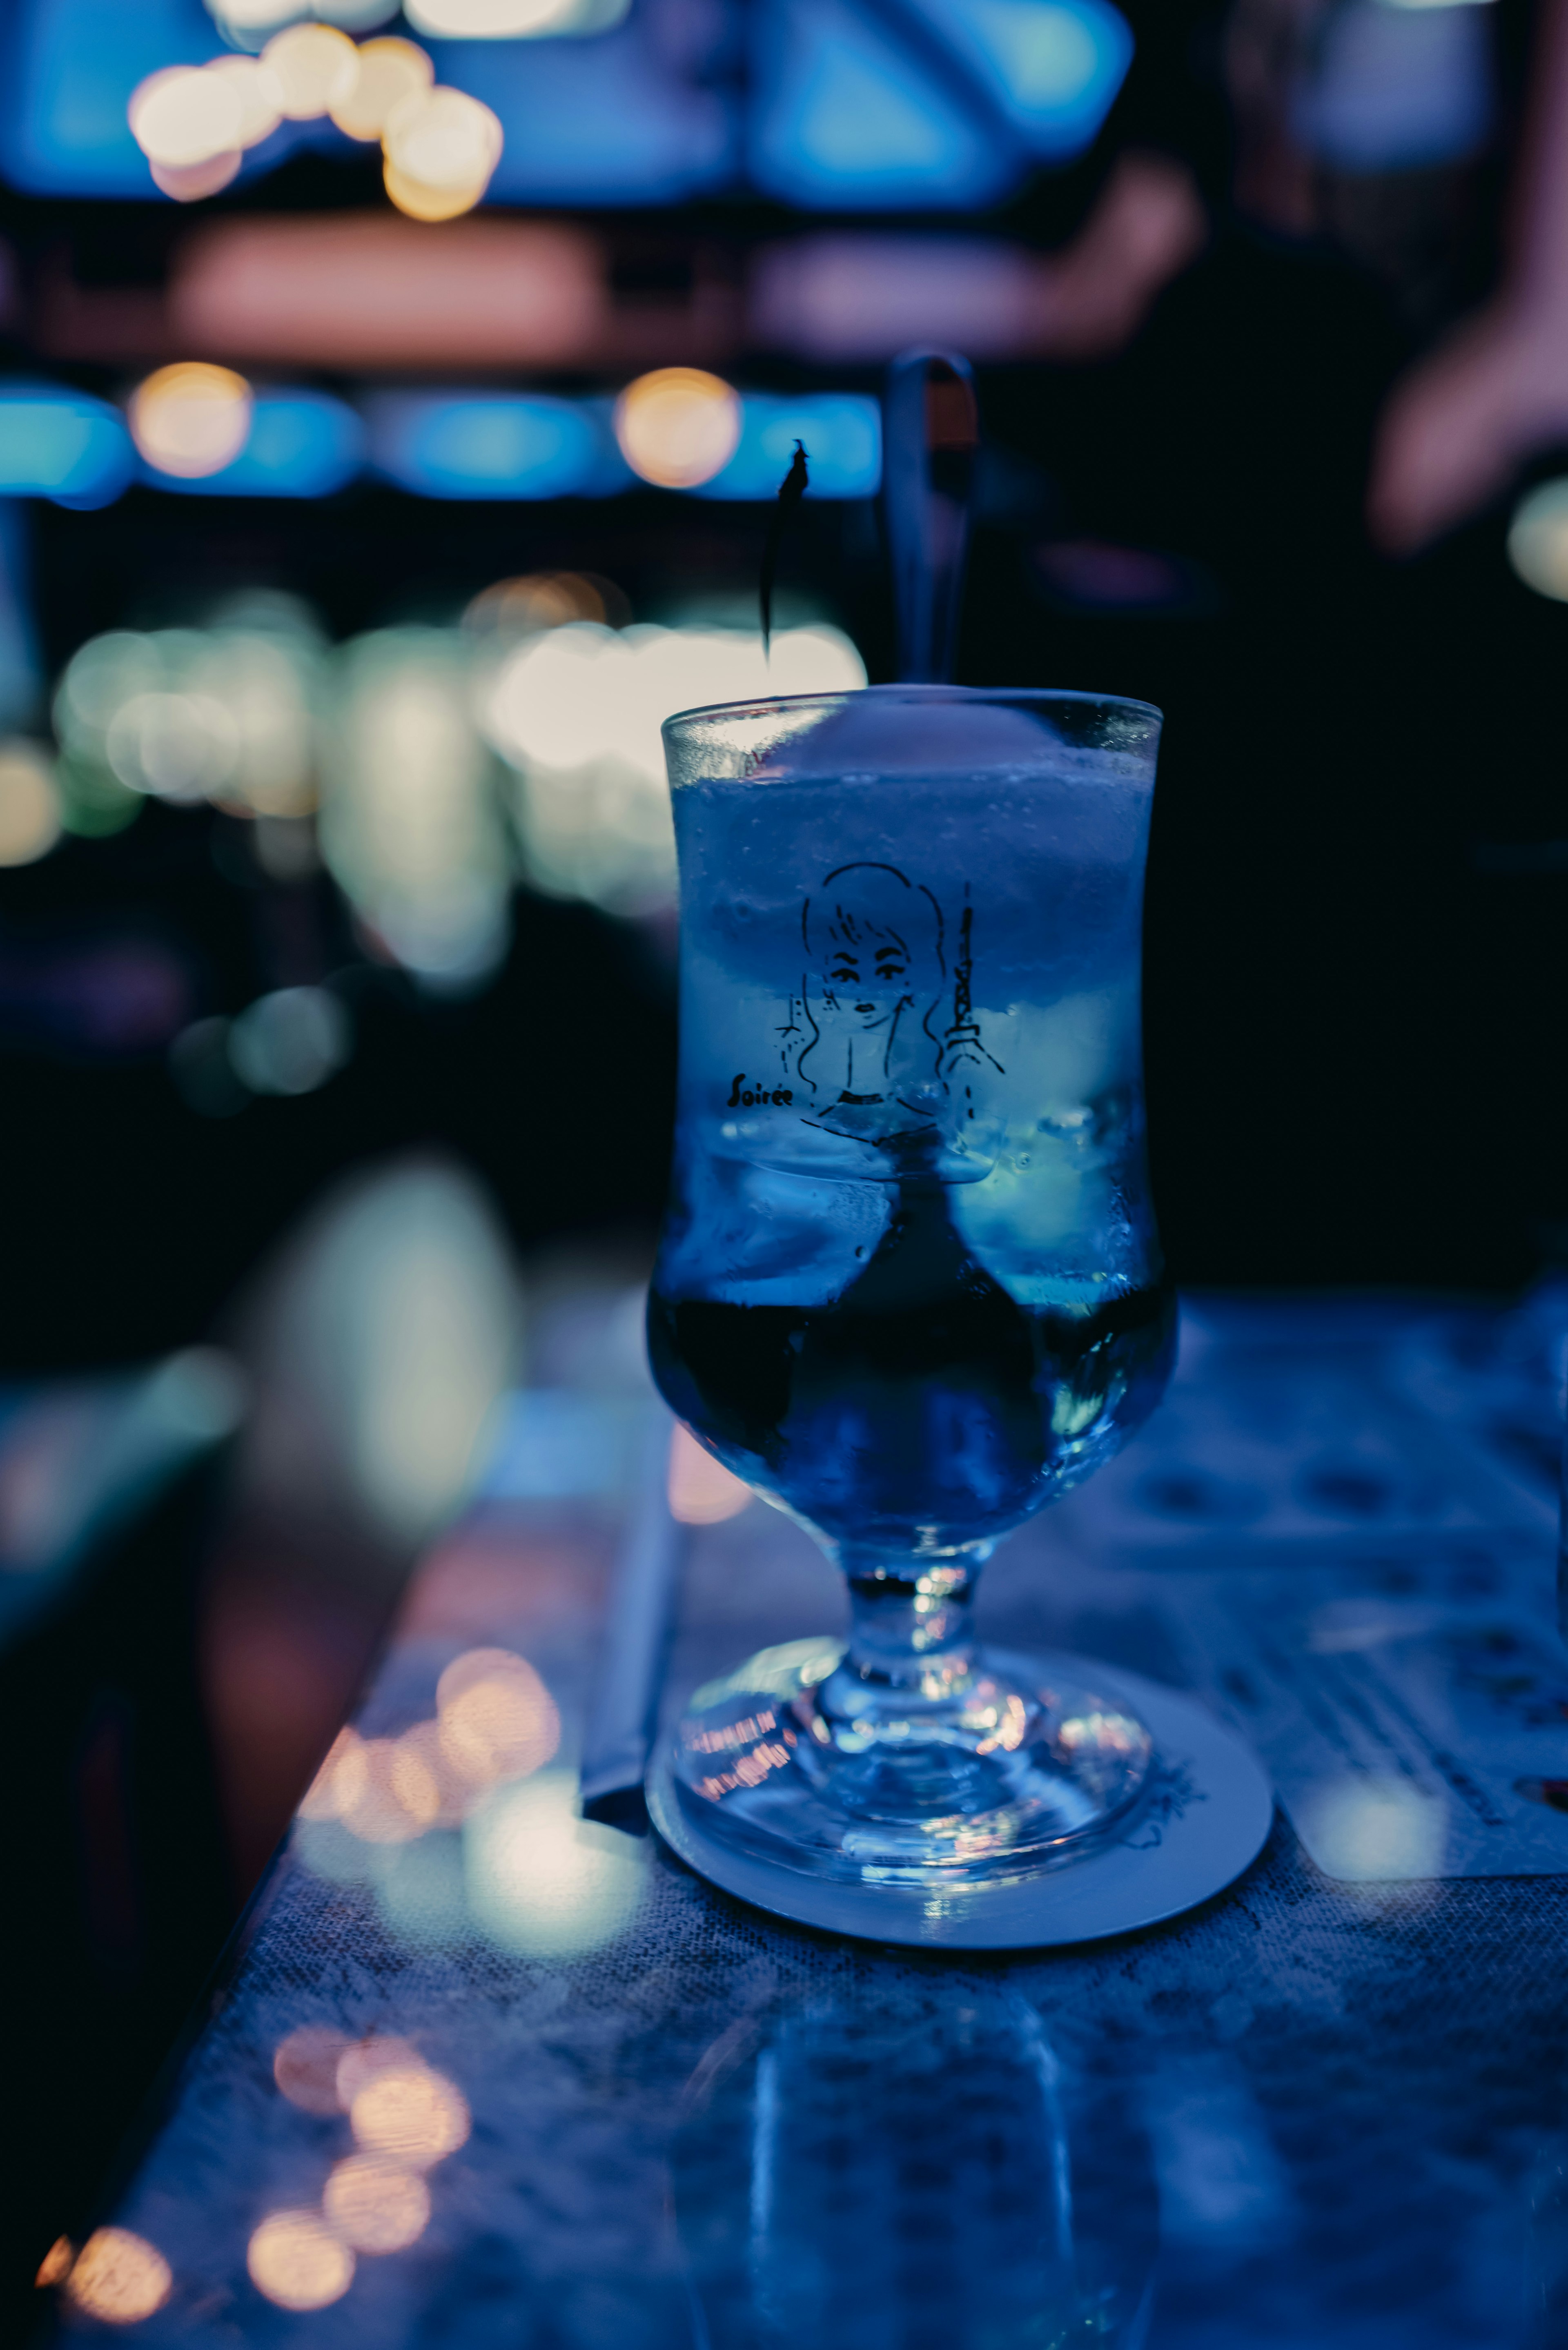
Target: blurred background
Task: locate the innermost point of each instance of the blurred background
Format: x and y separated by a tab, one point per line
392	407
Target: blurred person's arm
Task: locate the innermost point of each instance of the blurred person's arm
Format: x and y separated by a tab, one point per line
1091	297
1497	392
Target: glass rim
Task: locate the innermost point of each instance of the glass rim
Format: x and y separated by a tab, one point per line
1045	696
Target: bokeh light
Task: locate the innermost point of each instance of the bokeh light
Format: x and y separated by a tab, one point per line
497	1719
188	183
514	20
702	1491
441	147
376	2205
422	204
677	426
298	2261
391	70
537	601
371	1797
55	2264
305	2067
260	95
29	803
190	418
226	711
291	1041
577	710
1370	1829
413	826
183	115
543	1882
179	747
242	18
315	68
412	2115
119	2278
364	2061
1538	540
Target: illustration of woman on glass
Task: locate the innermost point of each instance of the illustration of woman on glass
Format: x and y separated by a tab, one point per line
864	1038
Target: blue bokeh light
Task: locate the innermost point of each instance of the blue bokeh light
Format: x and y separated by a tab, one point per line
929	104
62	444
609	119
67	68
489	445
302	445
843	436
1052	67
844	114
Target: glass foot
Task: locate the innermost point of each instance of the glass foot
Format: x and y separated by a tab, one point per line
1012	1769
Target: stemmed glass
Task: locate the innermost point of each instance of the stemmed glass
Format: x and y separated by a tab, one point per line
908	1285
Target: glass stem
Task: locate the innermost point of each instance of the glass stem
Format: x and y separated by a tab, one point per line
911	1627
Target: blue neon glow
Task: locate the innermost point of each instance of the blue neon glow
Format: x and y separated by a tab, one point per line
1052	67
478	445
843	437
926	103
302	445
67	68
62	444
625	117
843	113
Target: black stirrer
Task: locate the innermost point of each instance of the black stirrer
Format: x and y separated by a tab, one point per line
791	489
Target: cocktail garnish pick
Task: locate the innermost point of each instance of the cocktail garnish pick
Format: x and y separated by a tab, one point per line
791	489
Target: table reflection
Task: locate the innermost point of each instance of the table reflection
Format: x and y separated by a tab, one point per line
916	2173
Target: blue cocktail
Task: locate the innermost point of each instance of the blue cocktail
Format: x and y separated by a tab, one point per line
908	1285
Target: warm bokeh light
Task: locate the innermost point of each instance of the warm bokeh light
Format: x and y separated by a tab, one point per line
414	2115
375	2205
497	1719
364	2061
421	204
192	419
317	67
702	1491
29	803
390	72
425	1781
185	115
296	2261
260	95
1538	540
305	2067
542	599
375	1809
119	2278
55	2264
188	183
441	147
367	291
677	426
